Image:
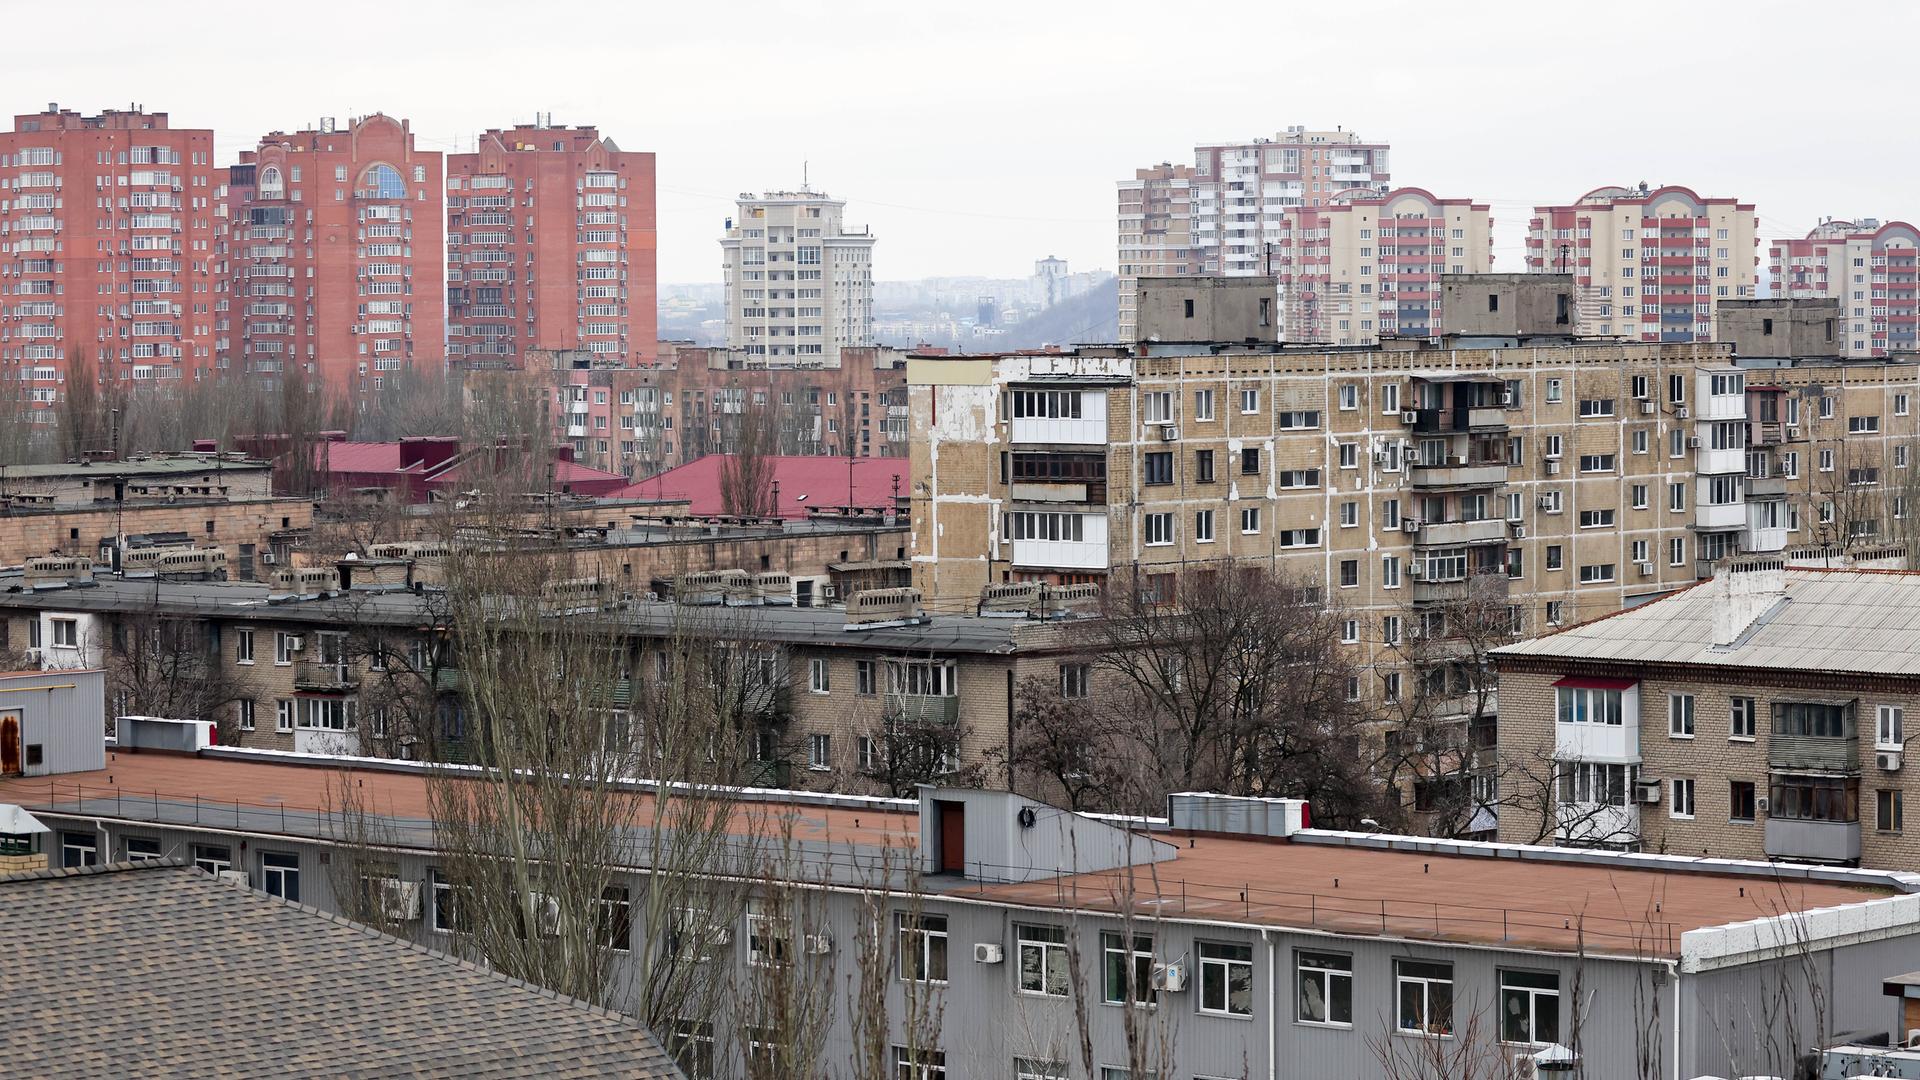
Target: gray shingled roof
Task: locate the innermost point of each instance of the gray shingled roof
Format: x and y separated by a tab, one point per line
1849	621
158	970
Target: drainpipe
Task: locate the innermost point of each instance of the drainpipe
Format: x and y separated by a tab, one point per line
1673	968
1273	1003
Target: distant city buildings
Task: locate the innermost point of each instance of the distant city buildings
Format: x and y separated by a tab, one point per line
1865	265
1222	215
1649	264
550	245
109	226
334	259
799	281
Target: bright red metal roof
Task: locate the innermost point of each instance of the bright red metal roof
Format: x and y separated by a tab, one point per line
804	482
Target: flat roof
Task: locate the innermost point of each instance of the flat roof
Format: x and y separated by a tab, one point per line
166	466
1315	882
1861	622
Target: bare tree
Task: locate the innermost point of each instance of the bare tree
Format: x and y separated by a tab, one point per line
747	472
1073	745
163	666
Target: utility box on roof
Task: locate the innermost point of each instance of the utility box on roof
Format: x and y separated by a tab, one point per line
52	722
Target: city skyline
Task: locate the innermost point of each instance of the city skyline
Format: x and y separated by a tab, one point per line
909	157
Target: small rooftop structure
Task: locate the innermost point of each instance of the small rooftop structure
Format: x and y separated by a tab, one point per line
170	972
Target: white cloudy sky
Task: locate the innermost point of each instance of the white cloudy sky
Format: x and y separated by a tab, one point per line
975	136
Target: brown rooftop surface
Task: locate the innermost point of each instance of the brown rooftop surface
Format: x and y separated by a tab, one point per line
136	780
1478	900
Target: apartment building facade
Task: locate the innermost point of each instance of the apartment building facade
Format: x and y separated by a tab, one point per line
1244	948
1650	263
1223	214
799	279
1759	715
108	224
551	245
1870	268
1576	477
1367	265
336	256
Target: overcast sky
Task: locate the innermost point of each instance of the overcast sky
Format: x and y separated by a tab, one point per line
975	137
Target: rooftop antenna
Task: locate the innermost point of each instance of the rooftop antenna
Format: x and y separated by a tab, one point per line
805	184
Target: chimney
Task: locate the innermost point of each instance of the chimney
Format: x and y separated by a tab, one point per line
1743	592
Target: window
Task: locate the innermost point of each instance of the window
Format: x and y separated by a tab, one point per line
1889	729
1203	526
243	712
819	681
921	1064
1390	397
1127	969
1157	467
1350	632
1888	804
142	847
1325	982
1157	529
865	753
280	874
1596	573
1249	400
1555	561
1025	1068
1740	800
819	751
1349	455
770	939
1596	519
1299	478
1390	687
1596	462
1390	571
1074	679
864	683
1680	716
1677	551
1826	408
1553	391
1158	405
1203	466
1682	802
1677	496
1309	418
243	646
1349	397
79	849
1226	979
1556	610
66	634
1390	514
283	715
1042	957
1249	520
1390	629
1349	573
1203	404
1250	461
1423	992
1639	494
212	858
283	649
1588	705
1740	717
923	946
691	1045
1529	1007
1820	719
1640	441
1596	406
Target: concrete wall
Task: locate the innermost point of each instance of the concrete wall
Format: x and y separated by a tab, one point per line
1207	309
1507	305
1780	329
243	528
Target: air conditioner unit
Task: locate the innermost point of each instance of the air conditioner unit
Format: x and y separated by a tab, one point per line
1506	399
296	643
1681	412
268	558
1646	569
988	952
1409	416
819	944
33	656
1760	804
1171	978
1544	502
1524	1068
1416	570
233	877
1413	455
1518	530
1646	408
1169	433
1888	760
1693	442
720	936
1646	791
1409	525
1553	466
399	900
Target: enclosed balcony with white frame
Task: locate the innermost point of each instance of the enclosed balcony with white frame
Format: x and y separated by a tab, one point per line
1596	719
1057	416
1720	395
1057	540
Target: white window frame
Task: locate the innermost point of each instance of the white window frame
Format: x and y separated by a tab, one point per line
1682	717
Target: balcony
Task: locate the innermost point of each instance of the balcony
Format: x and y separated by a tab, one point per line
1490	586
1597	823
1462	532
310	675
1814	753
1460	475
1062	554
1029	491
1813	841
1766	487
923	709
1458	418
1719	517
1729	460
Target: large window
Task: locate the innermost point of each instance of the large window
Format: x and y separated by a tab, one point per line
1027	1068
1529	1007
1587	705
769	939
923	946
1680	715
1226	979
1325	987
280	874
1423	993
1042	960
446	911
1127	969
1594	783
911	1064
381	182
614	920
1891	729
1819	719
1815	798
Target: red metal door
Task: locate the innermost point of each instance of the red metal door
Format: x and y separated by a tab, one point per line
953	837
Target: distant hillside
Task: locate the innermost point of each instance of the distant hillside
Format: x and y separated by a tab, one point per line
1091	317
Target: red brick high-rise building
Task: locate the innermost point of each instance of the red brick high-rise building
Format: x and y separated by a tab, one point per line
550	246
106	244
336	256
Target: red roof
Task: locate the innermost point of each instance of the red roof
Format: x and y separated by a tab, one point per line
804	482
360	457
1580	682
